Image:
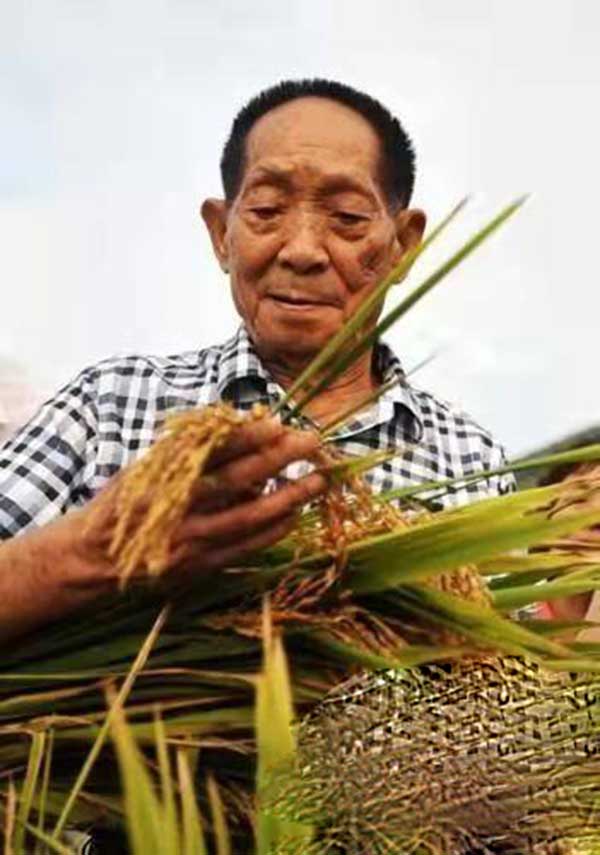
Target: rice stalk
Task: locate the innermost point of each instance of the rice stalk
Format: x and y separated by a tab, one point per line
137	666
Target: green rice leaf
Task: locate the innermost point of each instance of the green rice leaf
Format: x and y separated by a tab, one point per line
533	568
167	788
576	568
10	817
514	598
137	666
453	538
145	817
192	836
407	657
34	763
552	626
480	623
48	841
275	741
218	720
585	454
43	792
219	822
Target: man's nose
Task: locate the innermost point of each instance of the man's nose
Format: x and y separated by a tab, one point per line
303	250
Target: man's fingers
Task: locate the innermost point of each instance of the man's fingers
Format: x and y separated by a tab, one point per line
248	517
194	559
247	438
246	472
210	498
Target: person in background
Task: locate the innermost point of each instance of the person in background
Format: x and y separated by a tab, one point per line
584	606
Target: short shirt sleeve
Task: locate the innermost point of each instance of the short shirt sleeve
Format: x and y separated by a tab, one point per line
45	466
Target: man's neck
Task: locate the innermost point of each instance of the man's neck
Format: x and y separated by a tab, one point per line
348	390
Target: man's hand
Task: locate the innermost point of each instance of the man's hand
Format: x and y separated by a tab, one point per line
52	570
231	516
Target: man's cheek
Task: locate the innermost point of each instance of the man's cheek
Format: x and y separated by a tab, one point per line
240	297
253	256
369	266
245	283
378	252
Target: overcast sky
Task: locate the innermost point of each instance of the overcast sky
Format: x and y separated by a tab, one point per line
113	117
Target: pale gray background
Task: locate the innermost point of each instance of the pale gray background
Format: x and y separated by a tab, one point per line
113	117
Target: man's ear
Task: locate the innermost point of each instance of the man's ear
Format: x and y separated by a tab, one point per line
410	227
214	214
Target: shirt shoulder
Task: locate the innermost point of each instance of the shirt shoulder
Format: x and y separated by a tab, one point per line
128	388
93	426
190	369
440	419
431	420
463	447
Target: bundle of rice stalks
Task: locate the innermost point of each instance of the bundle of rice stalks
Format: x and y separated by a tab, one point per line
155	493
406	596
488	754
359	584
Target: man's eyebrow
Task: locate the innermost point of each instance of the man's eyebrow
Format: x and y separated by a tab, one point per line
330	183
271	175
341	182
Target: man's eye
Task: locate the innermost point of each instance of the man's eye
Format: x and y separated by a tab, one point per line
265	212
347	218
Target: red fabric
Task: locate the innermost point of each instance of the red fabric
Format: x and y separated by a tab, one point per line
544	611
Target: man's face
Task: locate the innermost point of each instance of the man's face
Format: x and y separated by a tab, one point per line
309	234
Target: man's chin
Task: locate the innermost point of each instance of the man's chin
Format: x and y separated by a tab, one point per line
295	333
299	344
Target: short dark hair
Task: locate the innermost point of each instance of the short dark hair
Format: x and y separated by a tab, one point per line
398	155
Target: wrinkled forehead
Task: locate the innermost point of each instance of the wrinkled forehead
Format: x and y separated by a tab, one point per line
316	134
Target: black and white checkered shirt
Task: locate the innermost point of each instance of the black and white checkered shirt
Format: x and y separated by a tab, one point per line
103	419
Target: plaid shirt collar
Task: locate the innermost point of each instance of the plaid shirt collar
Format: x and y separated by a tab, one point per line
242	378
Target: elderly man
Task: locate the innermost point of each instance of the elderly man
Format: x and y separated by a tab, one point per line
317	183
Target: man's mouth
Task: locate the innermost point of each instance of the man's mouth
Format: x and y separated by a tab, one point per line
299	301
